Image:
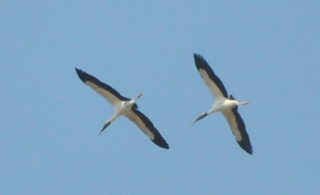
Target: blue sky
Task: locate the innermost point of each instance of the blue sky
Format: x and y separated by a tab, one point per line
265	52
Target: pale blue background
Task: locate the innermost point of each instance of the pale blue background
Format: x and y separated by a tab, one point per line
266	52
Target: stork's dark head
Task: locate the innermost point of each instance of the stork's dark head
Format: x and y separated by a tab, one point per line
105	126
202	115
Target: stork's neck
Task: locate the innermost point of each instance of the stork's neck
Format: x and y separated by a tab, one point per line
215	108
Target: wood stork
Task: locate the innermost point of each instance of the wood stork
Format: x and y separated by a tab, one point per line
123	106
227	106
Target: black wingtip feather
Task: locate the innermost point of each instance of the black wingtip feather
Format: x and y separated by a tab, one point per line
87	77
81	74
158	139
201	63
245	143
198	60
246	147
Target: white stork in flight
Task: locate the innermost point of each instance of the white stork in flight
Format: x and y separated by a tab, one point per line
228	106
123	106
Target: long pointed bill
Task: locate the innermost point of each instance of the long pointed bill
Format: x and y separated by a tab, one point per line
200	117
244	103
105	126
